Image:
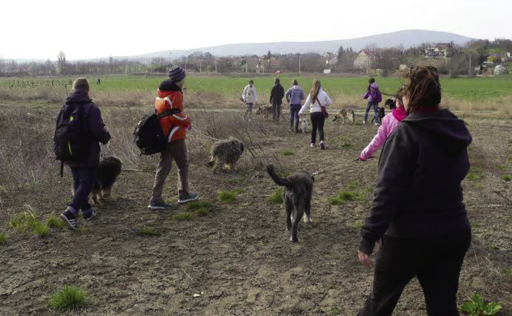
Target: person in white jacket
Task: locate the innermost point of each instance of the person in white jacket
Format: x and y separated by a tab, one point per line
317	102
249	96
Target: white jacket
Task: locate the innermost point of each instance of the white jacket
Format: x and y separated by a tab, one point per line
315	106
249	95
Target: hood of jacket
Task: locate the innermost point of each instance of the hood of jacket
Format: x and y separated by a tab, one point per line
374	85
167	86
78	97
451	130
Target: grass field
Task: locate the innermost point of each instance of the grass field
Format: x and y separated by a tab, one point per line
207	89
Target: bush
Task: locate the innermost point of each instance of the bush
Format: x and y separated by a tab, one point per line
477	306
3	238
68	298
55	222
41	229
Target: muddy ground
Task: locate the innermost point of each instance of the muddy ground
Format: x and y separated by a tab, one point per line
237	260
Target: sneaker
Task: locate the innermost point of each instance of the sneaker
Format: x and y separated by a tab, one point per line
158	205
312	145
322	145
69	217
183	198
88	215
377	124
364	122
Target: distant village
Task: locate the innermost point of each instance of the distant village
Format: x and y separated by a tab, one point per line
477	58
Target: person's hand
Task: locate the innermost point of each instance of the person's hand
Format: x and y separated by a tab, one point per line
365	259
361	158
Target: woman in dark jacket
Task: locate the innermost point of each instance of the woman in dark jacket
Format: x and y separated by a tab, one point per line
418	212
85	169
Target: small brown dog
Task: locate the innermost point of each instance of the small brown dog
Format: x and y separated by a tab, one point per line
266	110
345	114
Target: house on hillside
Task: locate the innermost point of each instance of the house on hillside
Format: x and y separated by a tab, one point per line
363	60
441	50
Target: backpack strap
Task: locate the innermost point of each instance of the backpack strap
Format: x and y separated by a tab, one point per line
61	169
168	112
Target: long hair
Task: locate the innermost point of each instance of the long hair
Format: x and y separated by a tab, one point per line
422	88
315	89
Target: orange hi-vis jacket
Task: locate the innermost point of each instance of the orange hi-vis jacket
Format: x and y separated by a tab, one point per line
175	126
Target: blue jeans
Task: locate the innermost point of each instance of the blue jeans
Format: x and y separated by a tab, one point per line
375	106
294	115
83	182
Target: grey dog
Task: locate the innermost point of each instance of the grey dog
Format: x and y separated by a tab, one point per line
226	152
297	196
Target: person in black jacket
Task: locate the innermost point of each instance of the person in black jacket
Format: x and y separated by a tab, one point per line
418	215
276	99
85	169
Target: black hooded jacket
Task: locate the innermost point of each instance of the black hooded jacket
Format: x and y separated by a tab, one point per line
418	191
94	130
277	94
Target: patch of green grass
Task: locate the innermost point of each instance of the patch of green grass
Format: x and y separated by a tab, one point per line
353	185
41	229
3	238
475	174
3	189
507	271
276	197
70	297
185	216
53	221
227	196
336	200
238	180
287	153
506	177
202	208
335	311
347	196
228	268
149	231
495	247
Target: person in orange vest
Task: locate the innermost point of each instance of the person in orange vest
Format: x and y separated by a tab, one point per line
170	96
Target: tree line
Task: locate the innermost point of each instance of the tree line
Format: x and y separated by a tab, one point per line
457	60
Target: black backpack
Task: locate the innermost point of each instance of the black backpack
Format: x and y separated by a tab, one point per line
149	136
69	134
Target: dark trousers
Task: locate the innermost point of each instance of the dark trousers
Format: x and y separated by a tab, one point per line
435	260
294	116
83	182
276	111
375	106
317	122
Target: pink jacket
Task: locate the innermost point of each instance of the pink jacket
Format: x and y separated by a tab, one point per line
389	124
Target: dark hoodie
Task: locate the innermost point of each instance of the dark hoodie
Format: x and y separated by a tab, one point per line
94	129
418	191
277	94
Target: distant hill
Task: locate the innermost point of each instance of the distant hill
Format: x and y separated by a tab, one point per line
405	39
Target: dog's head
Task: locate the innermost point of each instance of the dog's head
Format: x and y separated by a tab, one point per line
112	163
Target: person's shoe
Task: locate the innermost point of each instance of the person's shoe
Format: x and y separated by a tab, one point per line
377	124
312	145
185	198
69	217
364	122
158	205
322	145
88	215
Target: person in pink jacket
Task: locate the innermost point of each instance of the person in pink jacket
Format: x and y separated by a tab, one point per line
389	124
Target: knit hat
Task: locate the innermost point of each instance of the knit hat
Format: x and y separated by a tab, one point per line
177	74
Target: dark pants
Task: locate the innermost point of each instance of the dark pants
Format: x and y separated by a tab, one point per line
294	116
375	106
317	122
83	182
276	111
436	261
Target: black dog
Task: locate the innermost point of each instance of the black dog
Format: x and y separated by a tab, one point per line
382	113
108	171
297	196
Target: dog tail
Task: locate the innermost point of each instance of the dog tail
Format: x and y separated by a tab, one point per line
275	177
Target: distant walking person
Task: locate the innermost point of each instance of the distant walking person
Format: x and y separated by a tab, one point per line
170	96
374	97
418	213
84	168
318	100
294	96
250	97
276	99
98	81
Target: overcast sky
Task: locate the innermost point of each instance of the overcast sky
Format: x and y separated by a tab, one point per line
102	28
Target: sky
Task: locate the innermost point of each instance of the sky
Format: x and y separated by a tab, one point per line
35	29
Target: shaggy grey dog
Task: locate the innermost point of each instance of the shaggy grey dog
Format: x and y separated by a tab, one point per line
108	171
297	197
226	153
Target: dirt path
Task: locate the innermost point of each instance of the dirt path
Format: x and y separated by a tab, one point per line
237	260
